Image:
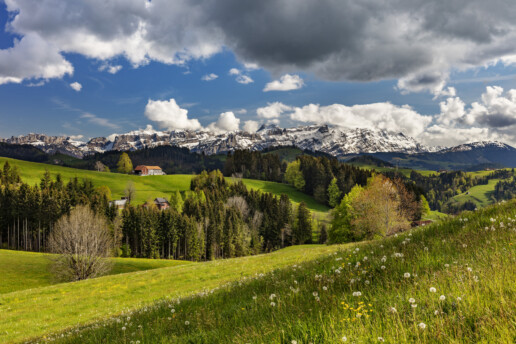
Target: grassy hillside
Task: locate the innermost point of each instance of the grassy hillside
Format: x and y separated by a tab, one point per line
65	305
26	270
449	283
148	187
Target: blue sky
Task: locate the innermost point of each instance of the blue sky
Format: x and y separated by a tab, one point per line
46	103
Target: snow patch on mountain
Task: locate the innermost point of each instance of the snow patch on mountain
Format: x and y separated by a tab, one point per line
334	141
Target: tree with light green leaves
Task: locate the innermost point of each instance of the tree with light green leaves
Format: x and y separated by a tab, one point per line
424	206
334	193
176	201
294	176
125	165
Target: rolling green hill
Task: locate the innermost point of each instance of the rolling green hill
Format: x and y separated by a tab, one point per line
452	282
27	270
148	187
65	305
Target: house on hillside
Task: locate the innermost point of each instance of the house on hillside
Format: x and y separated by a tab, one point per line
119	203
160	203
143	170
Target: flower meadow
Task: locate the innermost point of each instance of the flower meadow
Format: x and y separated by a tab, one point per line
451	282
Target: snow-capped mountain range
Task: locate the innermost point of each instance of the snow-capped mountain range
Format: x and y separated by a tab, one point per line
335	141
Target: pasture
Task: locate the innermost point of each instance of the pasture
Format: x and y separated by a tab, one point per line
148	187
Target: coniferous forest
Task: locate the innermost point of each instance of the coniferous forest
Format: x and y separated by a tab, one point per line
212	220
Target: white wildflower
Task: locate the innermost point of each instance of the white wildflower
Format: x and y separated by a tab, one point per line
442	298
406	275
422	326
433	290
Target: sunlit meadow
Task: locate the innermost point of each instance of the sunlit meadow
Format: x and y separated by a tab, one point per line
454	282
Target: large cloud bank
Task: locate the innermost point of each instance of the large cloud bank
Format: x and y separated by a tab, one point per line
491	118
414	41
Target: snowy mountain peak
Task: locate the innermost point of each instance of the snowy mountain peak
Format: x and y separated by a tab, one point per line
335	141
478	145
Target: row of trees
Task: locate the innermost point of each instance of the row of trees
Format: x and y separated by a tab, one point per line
326	179
440	188
212	220
215	220
383	207
505	189
28	213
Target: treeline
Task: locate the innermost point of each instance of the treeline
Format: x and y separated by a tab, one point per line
172	160
440	188
383	207
326	179
215	220
27	213
505	190
212	220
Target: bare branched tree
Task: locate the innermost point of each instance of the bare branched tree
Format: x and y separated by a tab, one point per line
240	204
130	191
82	243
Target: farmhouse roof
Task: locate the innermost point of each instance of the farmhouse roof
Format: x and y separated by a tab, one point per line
161	200
141	167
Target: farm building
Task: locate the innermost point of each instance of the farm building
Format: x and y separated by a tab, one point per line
119	203
160	203
143	170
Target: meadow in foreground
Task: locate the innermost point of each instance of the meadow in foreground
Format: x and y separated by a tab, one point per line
20	270
36	312
454	282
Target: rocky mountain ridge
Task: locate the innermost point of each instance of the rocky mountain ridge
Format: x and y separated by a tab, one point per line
335	141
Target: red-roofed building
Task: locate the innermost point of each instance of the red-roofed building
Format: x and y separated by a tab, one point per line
143	170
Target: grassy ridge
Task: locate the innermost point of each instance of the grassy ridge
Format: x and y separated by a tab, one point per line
449	283
65	305
21	270
148	187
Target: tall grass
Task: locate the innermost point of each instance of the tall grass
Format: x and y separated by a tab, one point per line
454	282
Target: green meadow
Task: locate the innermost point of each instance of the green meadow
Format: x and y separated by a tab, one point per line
21	270
40	311
451	282
148	187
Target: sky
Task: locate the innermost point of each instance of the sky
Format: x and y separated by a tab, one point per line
443	72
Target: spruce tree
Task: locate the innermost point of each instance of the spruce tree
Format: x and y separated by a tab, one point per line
334	193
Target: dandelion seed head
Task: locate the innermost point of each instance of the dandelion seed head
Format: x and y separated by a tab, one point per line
433	290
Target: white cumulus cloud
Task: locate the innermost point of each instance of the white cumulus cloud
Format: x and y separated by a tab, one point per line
251	126
226	122
286	83
32	58
272	110
111	69
241	78
209	77
76	86
167	114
